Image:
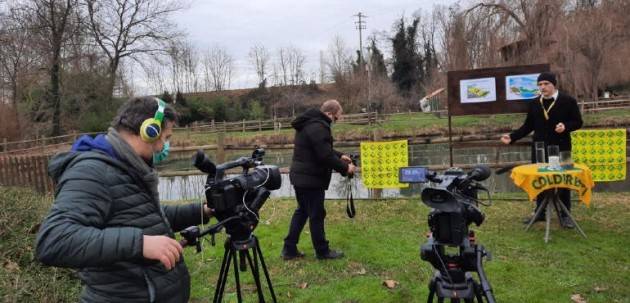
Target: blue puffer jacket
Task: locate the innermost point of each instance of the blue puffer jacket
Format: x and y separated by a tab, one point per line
101	211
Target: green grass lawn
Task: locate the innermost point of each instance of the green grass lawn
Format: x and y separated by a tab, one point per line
407	125
382	243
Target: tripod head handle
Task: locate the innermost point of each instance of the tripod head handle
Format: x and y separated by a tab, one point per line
192	234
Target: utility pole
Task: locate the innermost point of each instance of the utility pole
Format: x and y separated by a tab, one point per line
363	70
322	67
360	25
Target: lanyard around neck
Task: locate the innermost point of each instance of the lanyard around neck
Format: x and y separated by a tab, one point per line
546	111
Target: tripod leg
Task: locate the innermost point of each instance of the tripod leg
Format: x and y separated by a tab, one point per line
566	211
548	217
236	277
431	291
538	211
256	276
225	268
265	271
478	292
555	202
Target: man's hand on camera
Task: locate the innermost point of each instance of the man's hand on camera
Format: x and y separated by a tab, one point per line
506	139
161	248
351	169
207	211
560	128
346	159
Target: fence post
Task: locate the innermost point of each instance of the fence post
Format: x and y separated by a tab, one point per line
243	125
212	124
42	143
259	125
5	146
220	157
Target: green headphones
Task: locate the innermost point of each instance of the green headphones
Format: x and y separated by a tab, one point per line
151	128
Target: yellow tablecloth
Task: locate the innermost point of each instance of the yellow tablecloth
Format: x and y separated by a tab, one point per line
533	182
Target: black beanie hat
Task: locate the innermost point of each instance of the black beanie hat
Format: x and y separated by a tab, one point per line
547	76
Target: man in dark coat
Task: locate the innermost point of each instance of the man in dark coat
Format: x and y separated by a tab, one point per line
313	161
552	117
107	220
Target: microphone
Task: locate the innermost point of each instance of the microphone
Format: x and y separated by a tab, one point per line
479	173
201	162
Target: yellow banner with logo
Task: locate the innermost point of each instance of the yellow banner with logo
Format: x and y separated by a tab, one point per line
380	162
603	150
532	180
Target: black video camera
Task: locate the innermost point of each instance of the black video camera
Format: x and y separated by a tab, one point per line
355	159
453	197
241	196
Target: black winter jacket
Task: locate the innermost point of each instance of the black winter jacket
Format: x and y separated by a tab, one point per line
564	110
97	223
313	155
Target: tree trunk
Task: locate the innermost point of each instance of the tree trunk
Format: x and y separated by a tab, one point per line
113	67
54	95
14	96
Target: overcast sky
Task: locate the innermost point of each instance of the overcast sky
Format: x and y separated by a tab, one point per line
308	25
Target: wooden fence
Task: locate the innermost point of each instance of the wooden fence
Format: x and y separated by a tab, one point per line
275	124
49	144
26	171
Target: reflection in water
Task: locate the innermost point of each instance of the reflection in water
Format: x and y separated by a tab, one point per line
192	187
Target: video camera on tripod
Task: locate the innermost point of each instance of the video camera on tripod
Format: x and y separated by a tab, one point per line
453	199
236	202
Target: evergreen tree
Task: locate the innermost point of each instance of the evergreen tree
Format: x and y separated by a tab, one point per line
377	61
408	70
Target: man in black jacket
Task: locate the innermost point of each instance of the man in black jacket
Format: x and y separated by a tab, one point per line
552	117
107	220
313	161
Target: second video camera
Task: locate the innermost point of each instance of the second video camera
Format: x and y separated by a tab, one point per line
453	197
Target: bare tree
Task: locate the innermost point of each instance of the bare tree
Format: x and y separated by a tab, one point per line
52	19
18	56
184	65
191	66
339	60
259	58
155	75
130	28
282	65
295	61
606	29
218	68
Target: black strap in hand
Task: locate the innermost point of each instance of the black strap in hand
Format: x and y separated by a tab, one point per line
350	201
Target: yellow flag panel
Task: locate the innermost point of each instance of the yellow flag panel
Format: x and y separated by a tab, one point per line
380	162
603	151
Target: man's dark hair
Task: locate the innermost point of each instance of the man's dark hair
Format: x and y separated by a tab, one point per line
137	109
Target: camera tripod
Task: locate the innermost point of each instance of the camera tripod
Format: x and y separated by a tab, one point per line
551	201
454	279
230	255
236	252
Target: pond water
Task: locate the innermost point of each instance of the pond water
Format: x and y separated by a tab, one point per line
192	187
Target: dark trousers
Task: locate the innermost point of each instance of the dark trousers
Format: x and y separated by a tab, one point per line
310	206
563	194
